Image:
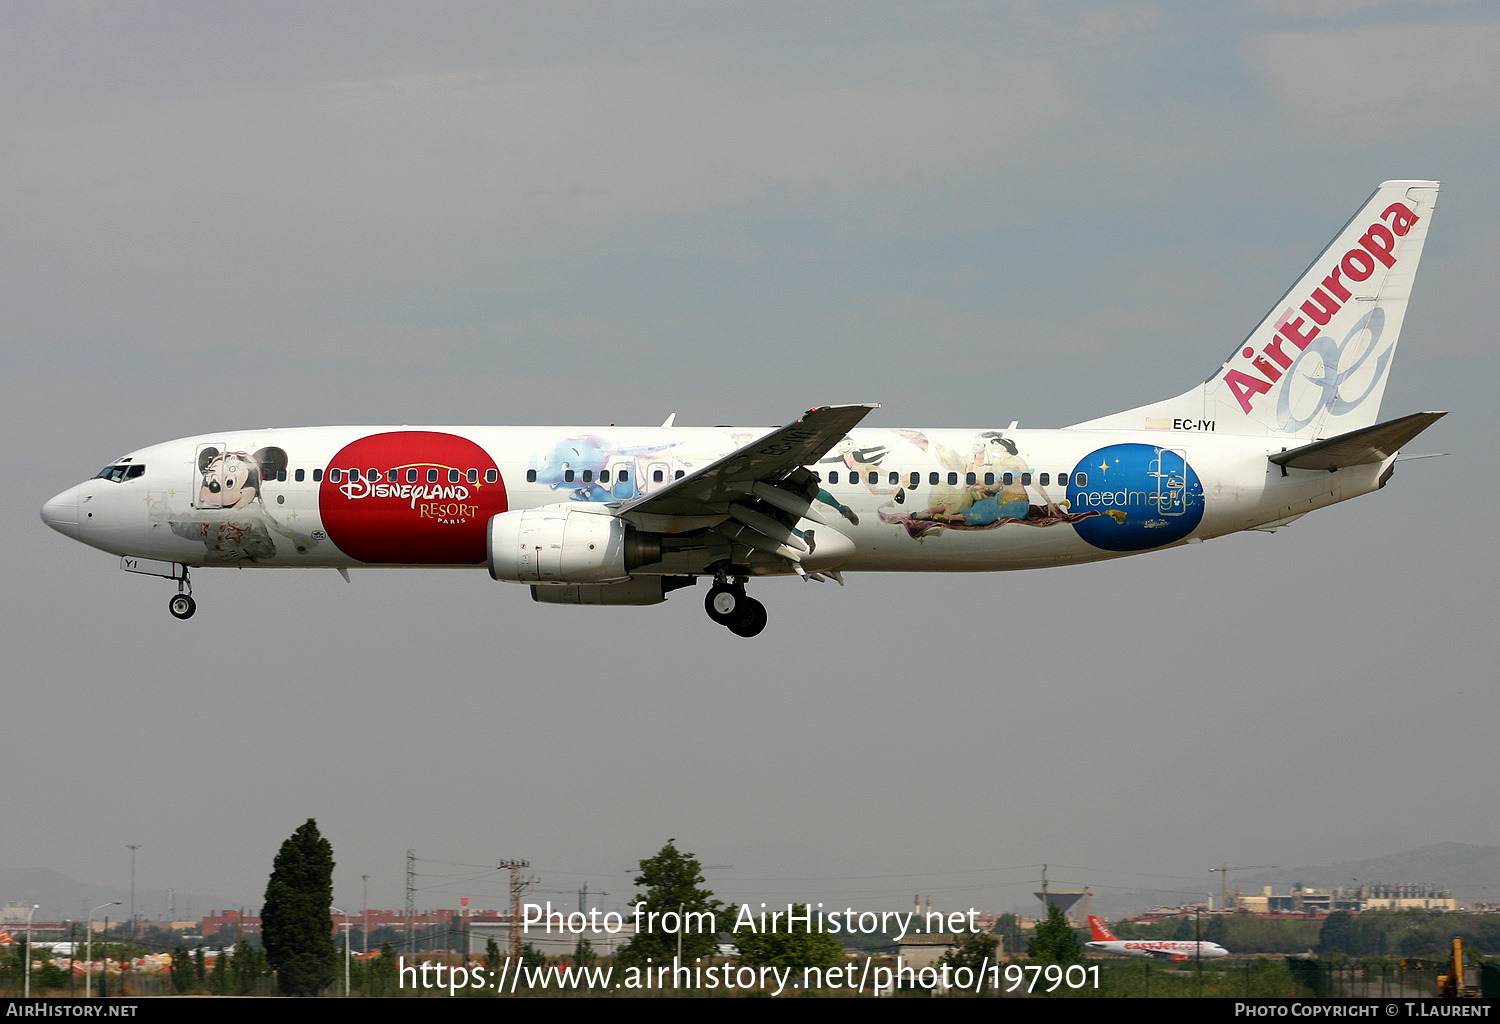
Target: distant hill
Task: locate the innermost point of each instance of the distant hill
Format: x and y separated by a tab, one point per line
64	898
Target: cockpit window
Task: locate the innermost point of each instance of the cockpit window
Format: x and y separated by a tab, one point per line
121	472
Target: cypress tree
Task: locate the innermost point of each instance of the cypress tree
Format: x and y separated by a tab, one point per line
295	922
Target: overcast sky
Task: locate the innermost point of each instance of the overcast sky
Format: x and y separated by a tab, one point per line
221	216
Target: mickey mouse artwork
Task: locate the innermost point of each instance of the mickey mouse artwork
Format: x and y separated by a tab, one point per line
230	515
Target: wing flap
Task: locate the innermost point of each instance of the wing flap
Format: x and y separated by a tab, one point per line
1358	447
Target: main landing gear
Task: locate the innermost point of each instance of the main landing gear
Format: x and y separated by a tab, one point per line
728	605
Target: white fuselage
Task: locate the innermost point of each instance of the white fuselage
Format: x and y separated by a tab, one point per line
935	500
1159	949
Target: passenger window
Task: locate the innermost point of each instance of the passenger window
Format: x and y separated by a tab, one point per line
588	476
932	478
916	478
567	476
989	479
491	475
895	478
1044	478
335	475
1080	479
952	479
656	475
393	475
679	474
604	476
280	474
432	476
833	476
1026	479
372	475
624	476
411	476
874	477
300	475
970	479
1008	479
453	476
317	475
531	476
1062	479
473	476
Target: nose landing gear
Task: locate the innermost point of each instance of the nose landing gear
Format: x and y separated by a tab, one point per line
729	606
182	605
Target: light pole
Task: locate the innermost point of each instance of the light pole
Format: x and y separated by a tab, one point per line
336	910
88	967
34	908
133	847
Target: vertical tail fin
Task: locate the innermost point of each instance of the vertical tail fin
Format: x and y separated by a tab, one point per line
1317	365
1100	930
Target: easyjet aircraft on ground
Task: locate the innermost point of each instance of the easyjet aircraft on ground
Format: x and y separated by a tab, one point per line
605	515
1153	949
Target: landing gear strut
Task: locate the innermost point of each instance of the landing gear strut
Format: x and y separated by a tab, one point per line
728	605
182	605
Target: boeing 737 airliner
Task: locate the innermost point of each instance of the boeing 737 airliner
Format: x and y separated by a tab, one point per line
1151	949
607	516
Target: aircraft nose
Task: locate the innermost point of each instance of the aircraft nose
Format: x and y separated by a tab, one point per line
61	513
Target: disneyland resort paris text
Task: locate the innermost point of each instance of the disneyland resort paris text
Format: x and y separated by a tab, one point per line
705	922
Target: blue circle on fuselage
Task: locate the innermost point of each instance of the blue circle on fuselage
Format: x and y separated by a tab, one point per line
1146	496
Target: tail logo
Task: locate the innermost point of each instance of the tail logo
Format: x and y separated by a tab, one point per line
1364	337
1300	329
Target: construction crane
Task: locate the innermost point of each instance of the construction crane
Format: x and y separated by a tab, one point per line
1224	870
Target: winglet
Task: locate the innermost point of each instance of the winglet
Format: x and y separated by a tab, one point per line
669	420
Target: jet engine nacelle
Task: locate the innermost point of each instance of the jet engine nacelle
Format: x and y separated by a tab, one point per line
566	544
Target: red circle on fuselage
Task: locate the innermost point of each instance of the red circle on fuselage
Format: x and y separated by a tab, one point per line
406	522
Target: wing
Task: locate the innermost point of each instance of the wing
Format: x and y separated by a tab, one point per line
712	489
756	497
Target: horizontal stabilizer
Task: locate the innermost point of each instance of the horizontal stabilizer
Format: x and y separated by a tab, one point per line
1358	447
